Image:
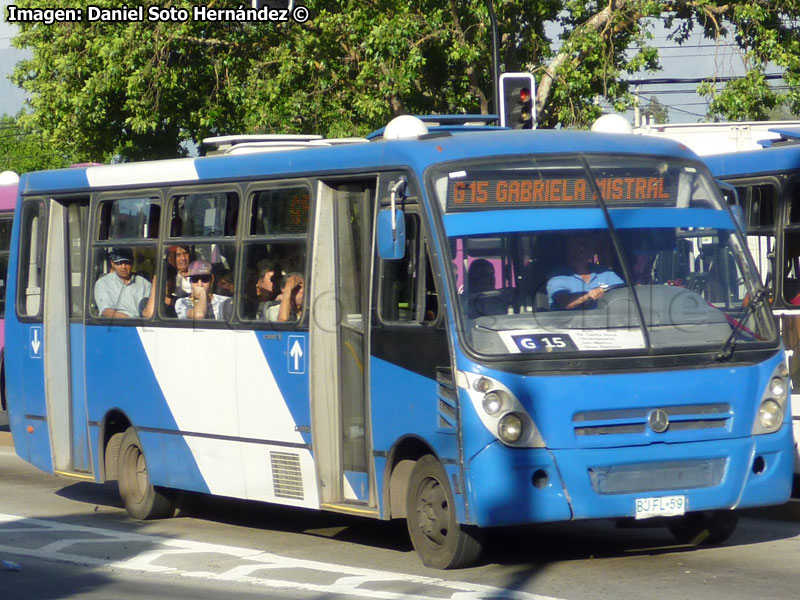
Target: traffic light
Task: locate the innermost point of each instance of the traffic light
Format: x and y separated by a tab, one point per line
517	109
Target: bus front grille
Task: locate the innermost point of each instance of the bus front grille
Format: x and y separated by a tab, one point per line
657	476
637	420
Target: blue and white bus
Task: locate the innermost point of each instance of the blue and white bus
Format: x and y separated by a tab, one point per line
767	183
405	386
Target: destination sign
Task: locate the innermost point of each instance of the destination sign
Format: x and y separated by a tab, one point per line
465	193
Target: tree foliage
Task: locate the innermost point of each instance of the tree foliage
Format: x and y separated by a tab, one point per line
143	89
22	151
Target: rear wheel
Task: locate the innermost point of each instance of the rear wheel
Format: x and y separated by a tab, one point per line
704	527
440	541
141	499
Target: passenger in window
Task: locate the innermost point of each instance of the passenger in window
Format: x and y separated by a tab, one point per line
584	281
170	296
225	284
267	287
290	307
480	277
119	293
203	303
179	258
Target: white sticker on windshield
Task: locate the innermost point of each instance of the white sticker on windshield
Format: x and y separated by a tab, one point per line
540	341
457	174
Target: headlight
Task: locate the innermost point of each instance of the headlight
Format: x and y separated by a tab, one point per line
509	428
493	403
770	414
772	409
482	384
777	387
500	411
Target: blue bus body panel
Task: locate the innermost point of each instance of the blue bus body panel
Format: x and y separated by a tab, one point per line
119	376
501	489
754	162
81	453
208	393
547	219
594	476
26	398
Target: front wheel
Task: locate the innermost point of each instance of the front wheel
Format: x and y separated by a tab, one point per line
141	499
704	527
440	541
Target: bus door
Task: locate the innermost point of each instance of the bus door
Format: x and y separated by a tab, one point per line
63	342
339	369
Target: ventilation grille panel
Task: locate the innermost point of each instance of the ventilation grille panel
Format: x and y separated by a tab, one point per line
287	478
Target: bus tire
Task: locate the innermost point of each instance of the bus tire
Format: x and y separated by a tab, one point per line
142	500
704	527
440	541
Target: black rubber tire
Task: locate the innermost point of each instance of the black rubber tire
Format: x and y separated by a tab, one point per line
112	456
704	527
440	541
141	499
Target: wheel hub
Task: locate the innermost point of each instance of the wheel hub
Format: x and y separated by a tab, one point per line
433	513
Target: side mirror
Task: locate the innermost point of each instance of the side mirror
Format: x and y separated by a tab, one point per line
391	234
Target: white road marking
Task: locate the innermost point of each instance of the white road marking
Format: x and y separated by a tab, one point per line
345	580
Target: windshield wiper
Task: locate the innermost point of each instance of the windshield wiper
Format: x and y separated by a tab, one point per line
727	348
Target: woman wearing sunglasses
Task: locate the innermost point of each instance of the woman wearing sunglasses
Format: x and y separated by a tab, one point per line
203	302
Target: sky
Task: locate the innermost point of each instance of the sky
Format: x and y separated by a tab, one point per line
696	58
11	97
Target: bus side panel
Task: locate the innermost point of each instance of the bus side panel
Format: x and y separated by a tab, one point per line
234	405
26	397
405	403
120	375
81	455
275	418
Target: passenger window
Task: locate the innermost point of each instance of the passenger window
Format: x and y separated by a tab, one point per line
33	233
274	251
122	280
759	203
206	214
280	211
124	258
407	288
129	219
267	266
211	266
791	257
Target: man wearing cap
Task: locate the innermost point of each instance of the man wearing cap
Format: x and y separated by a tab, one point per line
203	303
120	292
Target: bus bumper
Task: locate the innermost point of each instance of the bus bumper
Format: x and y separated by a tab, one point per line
513	486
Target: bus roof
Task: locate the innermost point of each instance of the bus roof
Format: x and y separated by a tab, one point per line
754	162
416	153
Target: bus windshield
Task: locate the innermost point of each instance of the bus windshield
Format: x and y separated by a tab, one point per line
542	266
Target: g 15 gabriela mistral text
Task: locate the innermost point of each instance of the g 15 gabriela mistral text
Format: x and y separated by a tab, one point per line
154	14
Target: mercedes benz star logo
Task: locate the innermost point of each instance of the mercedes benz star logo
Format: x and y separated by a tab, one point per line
658	420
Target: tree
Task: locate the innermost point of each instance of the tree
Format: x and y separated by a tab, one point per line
655	111
22	151
101	90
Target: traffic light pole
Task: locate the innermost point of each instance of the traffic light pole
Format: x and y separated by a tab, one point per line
495	57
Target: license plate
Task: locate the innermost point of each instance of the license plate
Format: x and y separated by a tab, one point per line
661	506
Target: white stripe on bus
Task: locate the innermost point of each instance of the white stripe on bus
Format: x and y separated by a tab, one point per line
160	171
229	390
